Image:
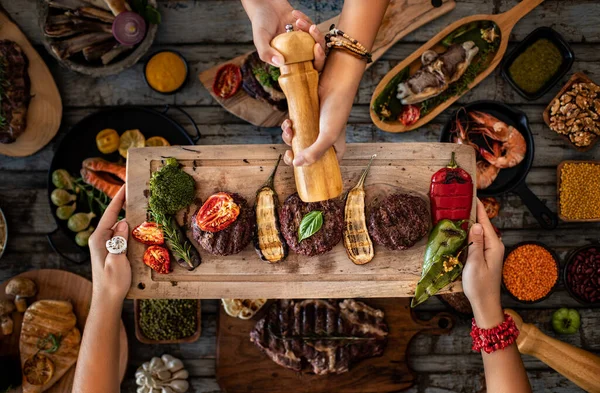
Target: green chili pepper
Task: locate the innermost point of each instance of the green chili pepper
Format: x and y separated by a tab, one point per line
441	265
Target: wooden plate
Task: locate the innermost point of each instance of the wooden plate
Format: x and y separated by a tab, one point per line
59	285
401	18
505	22
186	340
576	78
558	182
45	109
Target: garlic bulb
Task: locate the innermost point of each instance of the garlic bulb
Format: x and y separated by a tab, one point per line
162	375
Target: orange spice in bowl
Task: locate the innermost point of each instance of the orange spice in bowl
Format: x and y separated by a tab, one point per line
530	272
166	72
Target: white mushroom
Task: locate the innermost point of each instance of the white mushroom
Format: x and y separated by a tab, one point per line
162	375
21	288
6	322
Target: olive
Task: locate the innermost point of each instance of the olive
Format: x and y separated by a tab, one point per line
66	211
61	197
80	221
83	237
62	179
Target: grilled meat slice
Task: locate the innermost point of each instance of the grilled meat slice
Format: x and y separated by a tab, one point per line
98	4
66	48
330	234
267	91
95	52
115	52
232	239
66	4
16	91
94	13
75	26
323	336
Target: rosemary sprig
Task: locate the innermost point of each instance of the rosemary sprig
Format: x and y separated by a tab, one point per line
54	340
318	337
180	246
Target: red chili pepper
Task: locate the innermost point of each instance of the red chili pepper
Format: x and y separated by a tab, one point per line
451	193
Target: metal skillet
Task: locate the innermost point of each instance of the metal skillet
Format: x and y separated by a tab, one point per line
509	179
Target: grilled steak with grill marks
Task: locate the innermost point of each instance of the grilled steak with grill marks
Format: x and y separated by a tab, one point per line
324	239
232	239
399	221
15	91
324	336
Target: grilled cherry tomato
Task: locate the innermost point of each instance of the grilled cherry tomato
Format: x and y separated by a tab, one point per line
410	114
227	81
148	233
492	206
158	259
217	213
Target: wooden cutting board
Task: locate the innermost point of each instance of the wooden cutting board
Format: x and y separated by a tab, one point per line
242	367
58	285
399	167
45	109
401	18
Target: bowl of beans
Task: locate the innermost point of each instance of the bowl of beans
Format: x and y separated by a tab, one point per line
582	274
578	184
530	272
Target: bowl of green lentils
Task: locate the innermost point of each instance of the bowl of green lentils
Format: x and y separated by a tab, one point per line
167	321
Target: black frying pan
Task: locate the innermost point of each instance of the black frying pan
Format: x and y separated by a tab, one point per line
80	143
510	179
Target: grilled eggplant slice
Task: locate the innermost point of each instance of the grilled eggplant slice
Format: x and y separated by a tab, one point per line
268	240
357	241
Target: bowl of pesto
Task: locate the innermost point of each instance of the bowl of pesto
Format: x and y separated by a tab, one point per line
538	63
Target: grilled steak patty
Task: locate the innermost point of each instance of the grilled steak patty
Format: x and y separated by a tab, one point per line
16	91
324	239
399	221
252	85
232	239
290	334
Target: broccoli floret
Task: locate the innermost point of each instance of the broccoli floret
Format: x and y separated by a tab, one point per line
171	189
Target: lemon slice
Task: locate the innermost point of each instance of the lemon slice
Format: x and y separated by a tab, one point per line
242	308
129	139
107	141
156	141
38	369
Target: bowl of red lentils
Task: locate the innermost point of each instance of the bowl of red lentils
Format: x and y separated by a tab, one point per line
581	275
530	272
578	190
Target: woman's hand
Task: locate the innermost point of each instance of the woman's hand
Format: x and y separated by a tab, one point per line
111	273
482	274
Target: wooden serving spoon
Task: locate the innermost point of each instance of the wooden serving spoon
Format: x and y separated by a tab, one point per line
505	22
579	366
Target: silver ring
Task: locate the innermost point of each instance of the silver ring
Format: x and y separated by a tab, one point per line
117	245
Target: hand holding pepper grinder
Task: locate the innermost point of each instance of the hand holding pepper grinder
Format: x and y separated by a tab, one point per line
299	81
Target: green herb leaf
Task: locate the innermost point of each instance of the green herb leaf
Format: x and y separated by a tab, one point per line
152	15
310	224
53	340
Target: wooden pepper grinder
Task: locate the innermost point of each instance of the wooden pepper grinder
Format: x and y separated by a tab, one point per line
299	81
580	366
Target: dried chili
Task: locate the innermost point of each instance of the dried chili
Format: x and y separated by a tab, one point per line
451	193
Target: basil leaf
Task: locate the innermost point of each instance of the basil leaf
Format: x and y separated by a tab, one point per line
310	224
152	15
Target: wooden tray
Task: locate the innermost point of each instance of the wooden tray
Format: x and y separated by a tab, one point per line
59	285
558	172
505	21
186	340
576	78
45	109
242	367
406	167
401	18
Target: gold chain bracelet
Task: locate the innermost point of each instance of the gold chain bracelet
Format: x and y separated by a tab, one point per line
337	39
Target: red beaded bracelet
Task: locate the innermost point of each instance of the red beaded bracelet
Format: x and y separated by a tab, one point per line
496	338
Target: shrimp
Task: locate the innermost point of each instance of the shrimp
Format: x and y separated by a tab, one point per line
507	154
486	174
490	126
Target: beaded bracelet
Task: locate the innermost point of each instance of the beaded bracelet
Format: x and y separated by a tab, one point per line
499	337
337	39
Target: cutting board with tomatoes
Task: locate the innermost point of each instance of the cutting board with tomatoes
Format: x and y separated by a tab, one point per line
242	367
398	167
401	18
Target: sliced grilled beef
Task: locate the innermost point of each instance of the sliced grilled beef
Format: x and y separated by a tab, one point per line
16	91
266	90
322	336
232	239
399	221
330	234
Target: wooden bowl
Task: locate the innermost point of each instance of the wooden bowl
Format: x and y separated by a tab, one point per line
98	70
145	340
576	78
505	23
3	233
558	172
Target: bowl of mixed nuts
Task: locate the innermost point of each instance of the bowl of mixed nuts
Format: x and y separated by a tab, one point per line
575	112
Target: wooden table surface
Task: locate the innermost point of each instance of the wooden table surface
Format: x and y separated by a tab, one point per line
208	32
